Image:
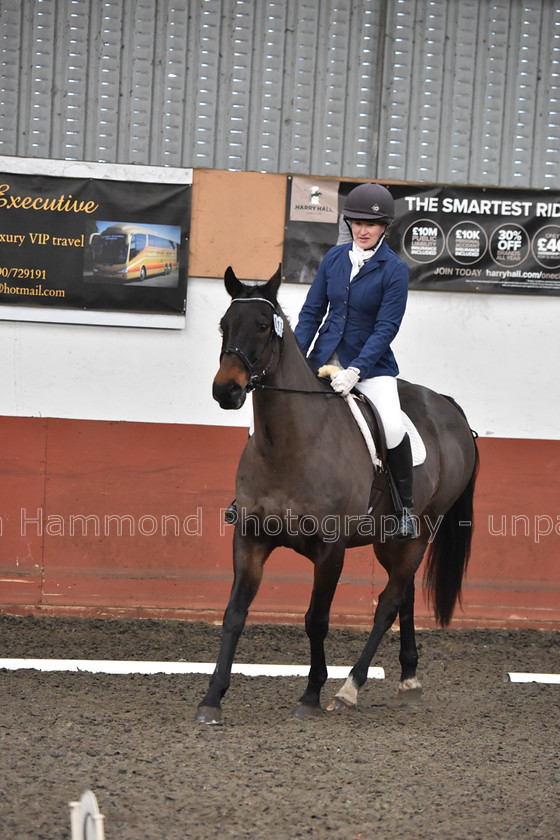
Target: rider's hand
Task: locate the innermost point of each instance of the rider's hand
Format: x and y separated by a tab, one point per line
343	381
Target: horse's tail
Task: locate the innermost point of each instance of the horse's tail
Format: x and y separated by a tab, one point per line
449	552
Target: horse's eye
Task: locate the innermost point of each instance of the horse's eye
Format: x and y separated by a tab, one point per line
263	327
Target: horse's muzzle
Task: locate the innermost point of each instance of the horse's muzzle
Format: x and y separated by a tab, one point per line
229	395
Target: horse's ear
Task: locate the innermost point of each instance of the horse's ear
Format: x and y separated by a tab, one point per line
270	288
233	286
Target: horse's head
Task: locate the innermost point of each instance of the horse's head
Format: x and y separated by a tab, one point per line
251	335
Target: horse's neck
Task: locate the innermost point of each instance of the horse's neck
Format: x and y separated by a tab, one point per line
279	414
292	370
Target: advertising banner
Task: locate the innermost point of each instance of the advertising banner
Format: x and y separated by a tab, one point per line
469	239
96	244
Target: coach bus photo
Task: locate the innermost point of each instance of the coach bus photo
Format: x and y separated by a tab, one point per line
127	252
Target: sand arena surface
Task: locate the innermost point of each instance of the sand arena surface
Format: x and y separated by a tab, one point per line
477	757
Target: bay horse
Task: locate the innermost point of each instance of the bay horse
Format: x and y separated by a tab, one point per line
306	466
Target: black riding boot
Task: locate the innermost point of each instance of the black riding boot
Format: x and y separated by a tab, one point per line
399	462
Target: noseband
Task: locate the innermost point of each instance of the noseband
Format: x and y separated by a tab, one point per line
275	334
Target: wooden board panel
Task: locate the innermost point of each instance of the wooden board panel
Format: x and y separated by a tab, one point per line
238	220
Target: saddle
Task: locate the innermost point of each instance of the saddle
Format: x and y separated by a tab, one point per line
381	477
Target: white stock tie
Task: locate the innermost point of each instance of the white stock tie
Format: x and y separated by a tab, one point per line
358	257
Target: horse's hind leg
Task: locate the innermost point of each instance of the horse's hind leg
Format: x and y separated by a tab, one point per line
249	557
401	560
409	685
327	569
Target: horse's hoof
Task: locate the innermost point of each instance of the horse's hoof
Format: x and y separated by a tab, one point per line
337	704
304	712
209	714
410	691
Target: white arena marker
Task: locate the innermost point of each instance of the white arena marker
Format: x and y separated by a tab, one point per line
521	677
85	819
108	666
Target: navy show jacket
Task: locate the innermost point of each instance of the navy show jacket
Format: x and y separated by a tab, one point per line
362	316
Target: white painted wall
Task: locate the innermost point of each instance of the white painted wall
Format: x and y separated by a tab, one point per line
496	354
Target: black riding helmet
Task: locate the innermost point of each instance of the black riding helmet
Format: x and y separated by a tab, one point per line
369	201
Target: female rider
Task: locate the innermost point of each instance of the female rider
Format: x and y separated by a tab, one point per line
361	287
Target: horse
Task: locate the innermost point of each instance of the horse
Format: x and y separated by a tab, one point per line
306	466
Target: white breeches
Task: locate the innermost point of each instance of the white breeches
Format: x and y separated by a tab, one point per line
383	393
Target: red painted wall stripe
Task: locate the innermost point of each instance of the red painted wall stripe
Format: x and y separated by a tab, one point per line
124	519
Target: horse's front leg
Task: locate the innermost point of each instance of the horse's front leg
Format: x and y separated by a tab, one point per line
249	555
327	570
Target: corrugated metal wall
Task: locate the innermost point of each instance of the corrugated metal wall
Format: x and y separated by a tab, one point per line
458	91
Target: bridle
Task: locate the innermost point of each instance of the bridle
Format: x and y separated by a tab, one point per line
275	337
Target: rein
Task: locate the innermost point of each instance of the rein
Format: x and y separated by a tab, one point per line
262	387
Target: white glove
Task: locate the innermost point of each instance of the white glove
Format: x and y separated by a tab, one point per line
343	381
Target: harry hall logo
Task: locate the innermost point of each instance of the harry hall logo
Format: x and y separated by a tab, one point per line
315	195
314	202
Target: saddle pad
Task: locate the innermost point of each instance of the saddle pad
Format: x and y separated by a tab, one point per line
416	442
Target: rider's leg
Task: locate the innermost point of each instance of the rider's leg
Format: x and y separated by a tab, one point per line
399	462
383	393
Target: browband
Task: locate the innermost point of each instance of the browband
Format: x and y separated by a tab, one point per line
278	322
249	299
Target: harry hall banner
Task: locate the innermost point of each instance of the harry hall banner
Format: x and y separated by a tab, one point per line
466	239
93	244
